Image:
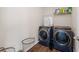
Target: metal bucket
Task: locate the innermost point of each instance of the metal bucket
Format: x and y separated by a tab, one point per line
8	49
2	49
27	43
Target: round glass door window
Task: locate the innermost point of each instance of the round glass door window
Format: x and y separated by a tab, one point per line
43	34
62	38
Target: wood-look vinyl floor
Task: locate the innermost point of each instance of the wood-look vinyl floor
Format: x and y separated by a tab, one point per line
40	48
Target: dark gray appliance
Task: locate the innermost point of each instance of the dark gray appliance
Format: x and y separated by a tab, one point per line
45	34
63	39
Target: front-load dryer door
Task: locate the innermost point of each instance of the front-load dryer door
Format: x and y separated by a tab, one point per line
62	38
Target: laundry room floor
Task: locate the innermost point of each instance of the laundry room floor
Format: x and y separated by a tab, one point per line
40	48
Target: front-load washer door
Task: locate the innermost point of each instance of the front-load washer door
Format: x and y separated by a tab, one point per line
43	34
62	38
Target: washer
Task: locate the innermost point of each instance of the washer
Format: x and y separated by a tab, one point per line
63	40
45	34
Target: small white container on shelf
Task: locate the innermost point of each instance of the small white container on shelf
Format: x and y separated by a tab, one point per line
48	21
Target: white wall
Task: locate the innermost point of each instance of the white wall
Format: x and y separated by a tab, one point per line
62	20
2	33
74	20
75	25
59	20
18	24
78	21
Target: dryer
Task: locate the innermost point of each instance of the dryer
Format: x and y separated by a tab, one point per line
63	39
